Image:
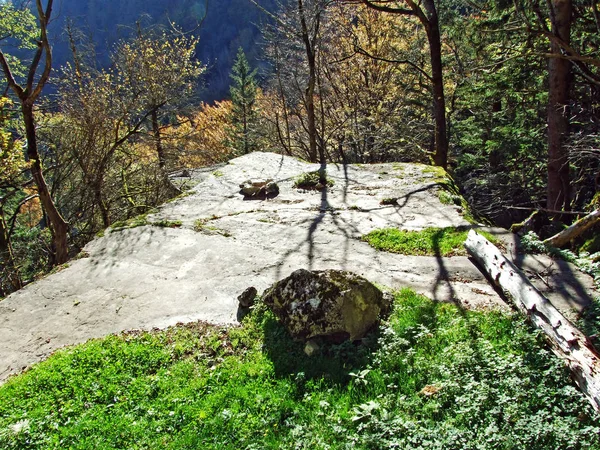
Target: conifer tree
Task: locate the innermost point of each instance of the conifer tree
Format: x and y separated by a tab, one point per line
243	98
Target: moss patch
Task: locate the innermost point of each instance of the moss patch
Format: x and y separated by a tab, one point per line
167	223
430	241
134	222
311	180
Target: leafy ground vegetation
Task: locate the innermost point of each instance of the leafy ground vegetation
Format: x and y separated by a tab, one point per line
432	376
312	180
430	241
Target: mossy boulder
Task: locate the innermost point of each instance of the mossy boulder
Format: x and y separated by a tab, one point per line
331	304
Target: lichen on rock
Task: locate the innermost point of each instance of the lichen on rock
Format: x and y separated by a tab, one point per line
332	304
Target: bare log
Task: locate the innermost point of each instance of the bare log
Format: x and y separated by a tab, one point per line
566	341
577	229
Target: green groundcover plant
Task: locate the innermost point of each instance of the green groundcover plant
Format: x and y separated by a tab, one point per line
431	376
429	241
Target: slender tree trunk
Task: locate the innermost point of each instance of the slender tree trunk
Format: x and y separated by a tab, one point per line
58	225
160	152
7	259
559	75
309	95
245	125
440	157
565	340
99	199
162	159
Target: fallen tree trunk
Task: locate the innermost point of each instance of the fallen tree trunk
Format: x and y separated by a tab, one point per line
566	341
577	229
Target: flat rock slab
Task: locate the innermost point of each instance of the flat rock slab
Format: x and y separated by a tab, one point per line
151	276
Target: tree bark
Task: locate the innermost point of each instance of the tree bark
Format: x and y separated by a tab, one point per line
565	340
309	96
58	226
172	191
440	158
160	152
27	97
559	76
7	259
577	229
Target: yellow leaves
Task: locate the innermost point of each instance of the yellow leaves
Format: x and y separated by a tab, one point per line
31	212
11	155
203	136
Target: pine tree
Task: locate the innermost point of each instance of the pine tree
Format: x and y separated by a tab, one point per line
243	98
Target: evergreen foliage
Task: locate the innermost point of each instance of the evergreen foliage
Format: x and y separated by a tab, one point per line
243	98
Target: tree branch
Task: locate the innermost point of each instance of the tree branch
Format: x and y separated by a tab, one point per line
363	52
380	6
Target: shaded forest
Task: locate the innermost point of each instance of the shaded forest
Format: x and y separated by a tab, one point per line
505	96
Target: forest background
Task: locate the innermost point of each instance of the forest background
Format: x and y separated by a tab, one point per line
103	101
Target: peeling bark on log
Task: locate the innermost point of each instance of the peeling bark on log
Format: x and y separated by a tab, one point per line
566	341
578	228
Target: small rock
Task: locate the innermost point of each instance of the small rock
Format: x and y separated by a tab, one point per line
311	347
259	188
246	298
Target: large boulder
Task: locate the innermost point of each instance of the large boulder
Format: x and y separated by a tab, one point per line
332	304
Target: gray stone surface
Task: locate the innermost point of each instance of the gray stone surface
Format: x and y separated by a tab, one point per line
149	276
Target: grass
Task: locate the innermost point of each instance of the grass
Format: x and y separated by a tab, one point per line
311	180
430	241
433	376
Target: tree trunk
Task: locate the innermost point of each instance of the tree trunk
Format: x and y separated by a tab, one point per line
160	152
559	75
7	259
171	190
309	95
99	200
577	229
440	158
566	341
58	225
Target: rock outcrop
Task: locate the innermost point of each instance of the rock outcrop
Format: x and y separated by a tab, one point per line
332	304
